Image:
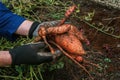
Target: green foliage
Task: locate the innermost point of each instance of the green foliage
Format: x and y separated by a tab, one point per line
5	44
89	16
56	66
107	60
103	64
38	10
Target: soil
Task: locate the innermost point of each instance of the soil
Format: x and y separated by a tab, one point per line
103	50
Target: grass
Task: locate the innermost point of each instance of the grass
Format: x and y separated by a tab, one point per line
35	10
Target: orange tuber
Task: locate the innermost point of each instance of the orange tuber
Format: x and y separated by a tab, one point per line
70	43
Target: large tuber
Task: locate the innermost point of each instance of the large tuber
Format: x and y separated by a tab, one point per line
70	43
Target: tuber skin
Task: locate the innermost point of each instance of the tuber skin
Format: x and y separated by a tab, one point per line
79	59
70	43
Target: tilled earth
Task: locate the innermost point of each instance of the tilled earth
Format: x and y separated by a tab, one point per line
104	49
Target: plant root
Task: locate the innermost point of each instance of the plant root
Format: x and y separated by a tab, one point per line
66	54
50	47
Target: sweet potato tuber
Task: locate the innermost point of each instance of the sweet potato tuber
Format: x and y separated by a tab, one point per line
67	36
79	59
70	43
68	13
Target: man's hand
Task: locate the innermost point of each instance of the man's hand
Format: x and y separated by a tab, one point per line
31	54
33	32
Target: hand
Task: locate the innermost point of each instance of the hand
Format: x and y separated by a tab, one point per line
31	54
33	32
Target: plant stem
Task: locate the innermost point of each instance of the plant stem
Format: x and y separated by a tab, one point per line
101	30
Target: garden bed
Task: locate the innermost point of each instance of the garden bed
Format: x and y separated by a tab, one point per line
104	48
101	25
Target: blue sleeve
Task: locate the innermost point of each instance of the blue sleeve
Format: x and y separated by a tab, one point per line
9	22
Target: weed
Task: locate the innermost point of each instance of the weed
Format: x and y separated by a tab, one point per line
107	60
89	16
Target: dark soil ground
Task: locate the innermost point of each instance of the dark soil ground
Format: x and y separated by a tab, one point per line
103	50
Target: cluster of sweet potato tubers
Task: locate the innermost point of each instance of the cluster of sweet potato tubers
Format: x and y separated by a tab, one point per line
67	36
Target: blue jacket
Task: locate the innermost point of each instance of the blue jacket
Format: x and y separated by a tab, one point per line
9	22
